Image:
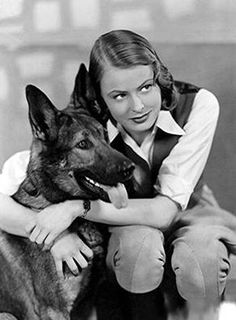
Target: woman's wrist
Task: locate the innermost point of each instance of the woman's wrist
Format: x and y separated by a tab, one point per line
78	208
74	207
96	211
86	207
28	221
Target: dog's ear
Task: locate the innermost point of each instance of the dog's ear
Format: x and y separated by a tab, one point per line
42	114
84	98
83	90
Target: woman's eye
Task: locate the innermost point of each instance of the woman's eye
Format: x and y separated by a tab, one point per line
119	96
82	144
146	88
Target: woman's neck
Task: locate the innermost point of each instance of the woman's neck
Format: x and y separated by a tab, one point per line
139	137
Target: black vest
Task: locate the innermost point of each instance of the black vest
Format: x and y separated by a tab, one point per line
145	178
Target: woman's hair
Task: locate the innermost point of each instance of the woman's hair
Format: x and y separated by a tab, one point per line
124	49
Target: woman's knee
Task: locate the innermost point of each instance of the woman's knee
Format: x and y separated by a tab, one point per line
201	265
137	257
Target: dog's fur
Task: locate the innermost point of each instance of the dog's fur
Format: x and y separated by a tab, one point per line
67	145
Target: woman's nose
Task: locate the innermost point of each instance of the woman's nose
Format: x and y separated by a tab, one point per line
136	103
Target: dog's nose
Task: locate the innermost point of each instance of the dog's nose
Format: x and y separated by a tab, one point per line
126	169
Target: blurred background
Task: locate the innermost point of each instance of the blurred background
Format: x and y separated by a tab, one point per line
43	42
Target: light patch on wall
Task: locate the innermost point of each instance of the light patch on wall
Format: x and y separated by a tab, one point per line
183	8
223	5
69	74
47	16
35	65
132	19
6	29
10	8
4	87
85	13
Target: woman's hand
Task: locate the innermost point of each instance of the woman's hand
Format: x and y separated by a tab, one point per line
52	221
69	248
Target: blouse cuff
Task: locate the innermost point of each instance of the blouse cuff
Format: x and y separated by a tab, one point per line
175	188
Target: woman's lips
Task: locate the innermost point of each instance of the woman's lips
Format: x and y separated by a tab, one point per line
141	118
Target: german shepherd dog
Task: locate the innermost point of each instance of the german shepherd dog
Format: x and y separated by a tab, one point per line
69	158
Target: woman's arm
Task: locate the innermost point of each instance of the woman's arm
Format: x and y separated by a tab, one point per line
15	218
53	220
182	168
157	212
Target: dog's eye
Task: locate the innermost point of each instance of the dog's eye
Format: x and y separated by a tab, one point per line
82	144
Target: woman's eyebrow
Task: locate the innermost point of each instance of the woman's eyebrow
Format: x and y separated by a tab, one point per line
124	91
143	84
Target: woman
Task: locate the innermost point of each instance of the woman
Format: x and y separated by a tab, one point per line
166	128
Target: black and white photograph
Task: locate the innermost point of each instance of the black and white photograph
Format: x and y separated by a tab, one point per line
117	160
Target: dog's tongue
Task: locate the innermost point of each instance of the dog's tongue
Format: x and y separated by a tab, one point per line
117	195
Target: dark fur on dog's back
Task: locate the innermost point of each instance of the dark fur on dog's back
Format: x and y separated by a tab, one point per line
68	147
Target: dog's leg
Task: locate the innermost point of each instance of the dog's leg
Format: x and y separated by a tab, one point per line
7	316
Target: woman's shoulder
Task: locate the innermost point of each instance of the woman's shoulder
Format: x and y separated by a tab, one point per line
14	172
206	102
16	165
206	96
19	159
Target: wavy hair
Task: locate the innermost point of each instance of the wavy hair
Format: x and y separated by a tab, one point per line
124	49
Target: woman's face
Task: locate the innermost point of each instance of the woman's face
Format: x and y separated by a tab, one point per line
133	98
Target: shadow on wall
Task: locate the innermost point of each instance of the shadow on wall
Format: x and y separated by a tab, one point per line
212	66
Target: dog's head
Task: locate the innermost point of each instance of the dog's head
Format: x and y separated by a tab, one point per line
70	152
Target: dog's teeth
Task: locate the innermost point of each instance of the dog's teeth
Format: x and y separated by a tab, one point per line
92	182
89	180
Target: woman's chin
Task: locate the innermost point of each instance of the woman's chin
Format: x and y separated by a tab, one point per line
143	126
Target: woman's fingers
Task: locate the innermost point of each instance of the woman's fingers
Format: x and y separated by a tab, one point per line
82	262
34	234
29	227
72	265
49	240
41	237
59	267
86	250
76	260
70	249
